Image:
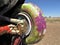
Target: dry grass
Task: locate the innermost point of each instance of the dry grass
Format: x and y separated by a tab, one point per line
52	19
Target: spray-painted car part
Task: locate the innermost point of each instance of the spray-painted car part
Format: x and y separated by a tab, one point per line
39	24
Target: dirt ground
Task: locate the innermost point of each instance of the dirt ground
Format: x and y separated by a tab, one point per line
52	36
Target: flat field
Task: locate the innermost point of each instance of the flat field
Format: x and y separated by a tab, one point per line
52	36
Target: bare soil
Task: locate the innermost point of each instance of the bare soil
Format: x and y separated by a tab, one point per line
52	36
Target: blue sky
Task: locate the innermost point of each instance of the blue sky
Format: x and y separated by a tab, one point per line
49	7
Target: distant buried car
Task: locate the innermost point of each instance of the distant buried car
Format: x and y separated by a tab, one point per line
26	15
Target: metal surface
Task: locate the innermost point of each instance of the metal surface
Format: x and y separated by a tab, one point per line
26	23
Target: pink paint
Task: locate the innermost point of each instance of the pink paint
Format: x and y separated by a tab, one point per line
40	23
